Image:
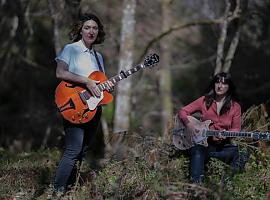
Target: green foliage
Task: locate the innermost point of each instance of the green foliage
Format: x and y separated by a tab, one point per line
128	179
30	175
150	169
108	112
26	174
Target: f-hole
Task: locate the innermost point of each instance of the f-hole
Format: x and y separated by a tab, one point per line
69	105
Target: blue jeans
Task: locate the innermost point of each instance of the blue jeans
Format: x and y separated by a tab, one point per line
77	139
228	153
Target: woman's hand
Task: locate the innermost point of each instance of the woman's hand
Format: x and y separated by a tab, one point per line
91	85
219	138
110	86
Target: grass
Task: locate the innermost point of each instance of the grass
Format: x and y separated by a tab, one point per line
29	176
149	168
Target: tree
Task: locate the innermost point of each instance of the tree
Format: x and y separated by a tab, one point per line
165	73
223	61
122	103
57	12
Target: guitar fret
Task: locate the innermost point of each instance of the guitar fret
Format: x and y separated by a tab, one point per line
100	86
129	72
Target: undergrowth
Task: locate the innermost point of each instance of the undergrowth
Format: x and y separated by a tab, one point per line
151	168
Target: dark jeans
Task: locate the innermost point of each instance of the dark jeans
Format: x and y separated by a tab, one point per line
228	153
77	139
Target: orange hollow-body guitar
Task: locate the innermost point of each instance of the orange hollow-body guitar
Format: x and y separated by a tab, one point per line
71	100
78	105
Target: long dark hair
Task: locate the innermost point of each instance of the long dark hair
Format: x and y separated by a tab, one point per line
210	96
75	33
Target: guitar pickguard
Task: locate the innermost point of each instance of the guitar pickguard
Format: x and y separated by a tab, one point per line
93	101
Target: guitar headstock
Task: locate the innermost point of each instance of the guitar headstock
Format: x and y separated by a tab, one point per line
151	60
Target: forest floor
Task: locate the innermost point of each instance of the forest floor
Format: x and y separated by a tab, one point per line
152	170
138	167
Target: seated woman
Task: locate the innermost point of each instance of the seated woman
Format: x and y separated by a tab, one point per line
221	107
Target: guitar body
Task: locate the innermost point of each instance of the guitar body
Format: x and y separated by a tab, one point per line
183	139
72	103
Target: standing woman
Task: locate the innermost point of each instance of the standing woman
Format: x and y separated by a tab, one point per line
220	106
75	63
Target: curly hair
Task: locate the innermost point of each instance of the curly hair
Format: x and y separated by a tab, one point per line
75	33
231	93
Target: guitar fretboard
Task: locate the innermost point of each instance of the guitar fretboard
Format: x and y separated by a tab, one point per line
120	76
254	135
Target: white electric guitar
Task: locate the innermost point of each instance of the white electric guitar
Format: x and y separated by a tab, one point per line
183	140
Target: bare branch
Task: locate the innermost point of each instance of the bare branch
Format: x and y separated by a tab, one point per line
15	24
7	53
27	19
32	63
175	28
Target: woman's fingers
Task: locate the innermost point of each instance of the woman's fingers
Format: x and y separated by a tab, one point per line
109	86
96	92
92	87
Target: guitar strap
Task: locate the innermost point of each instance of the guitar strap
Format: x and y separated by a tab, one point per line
99	65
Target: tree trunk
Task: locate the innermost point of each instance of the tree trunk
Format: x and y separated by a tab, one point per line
57	10
122	103
165	73
224	60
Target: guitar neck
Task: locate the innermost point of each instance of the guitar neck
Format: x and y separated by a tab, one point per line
122	75
253	135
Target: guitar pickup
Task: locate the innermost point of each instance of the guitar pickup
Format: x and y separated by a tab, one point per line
84	96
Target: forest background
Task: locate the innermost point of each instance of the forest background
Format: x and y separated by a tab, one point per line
194	39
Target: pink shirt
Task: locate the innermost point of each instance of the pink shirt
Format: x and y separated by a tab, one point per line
230	121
